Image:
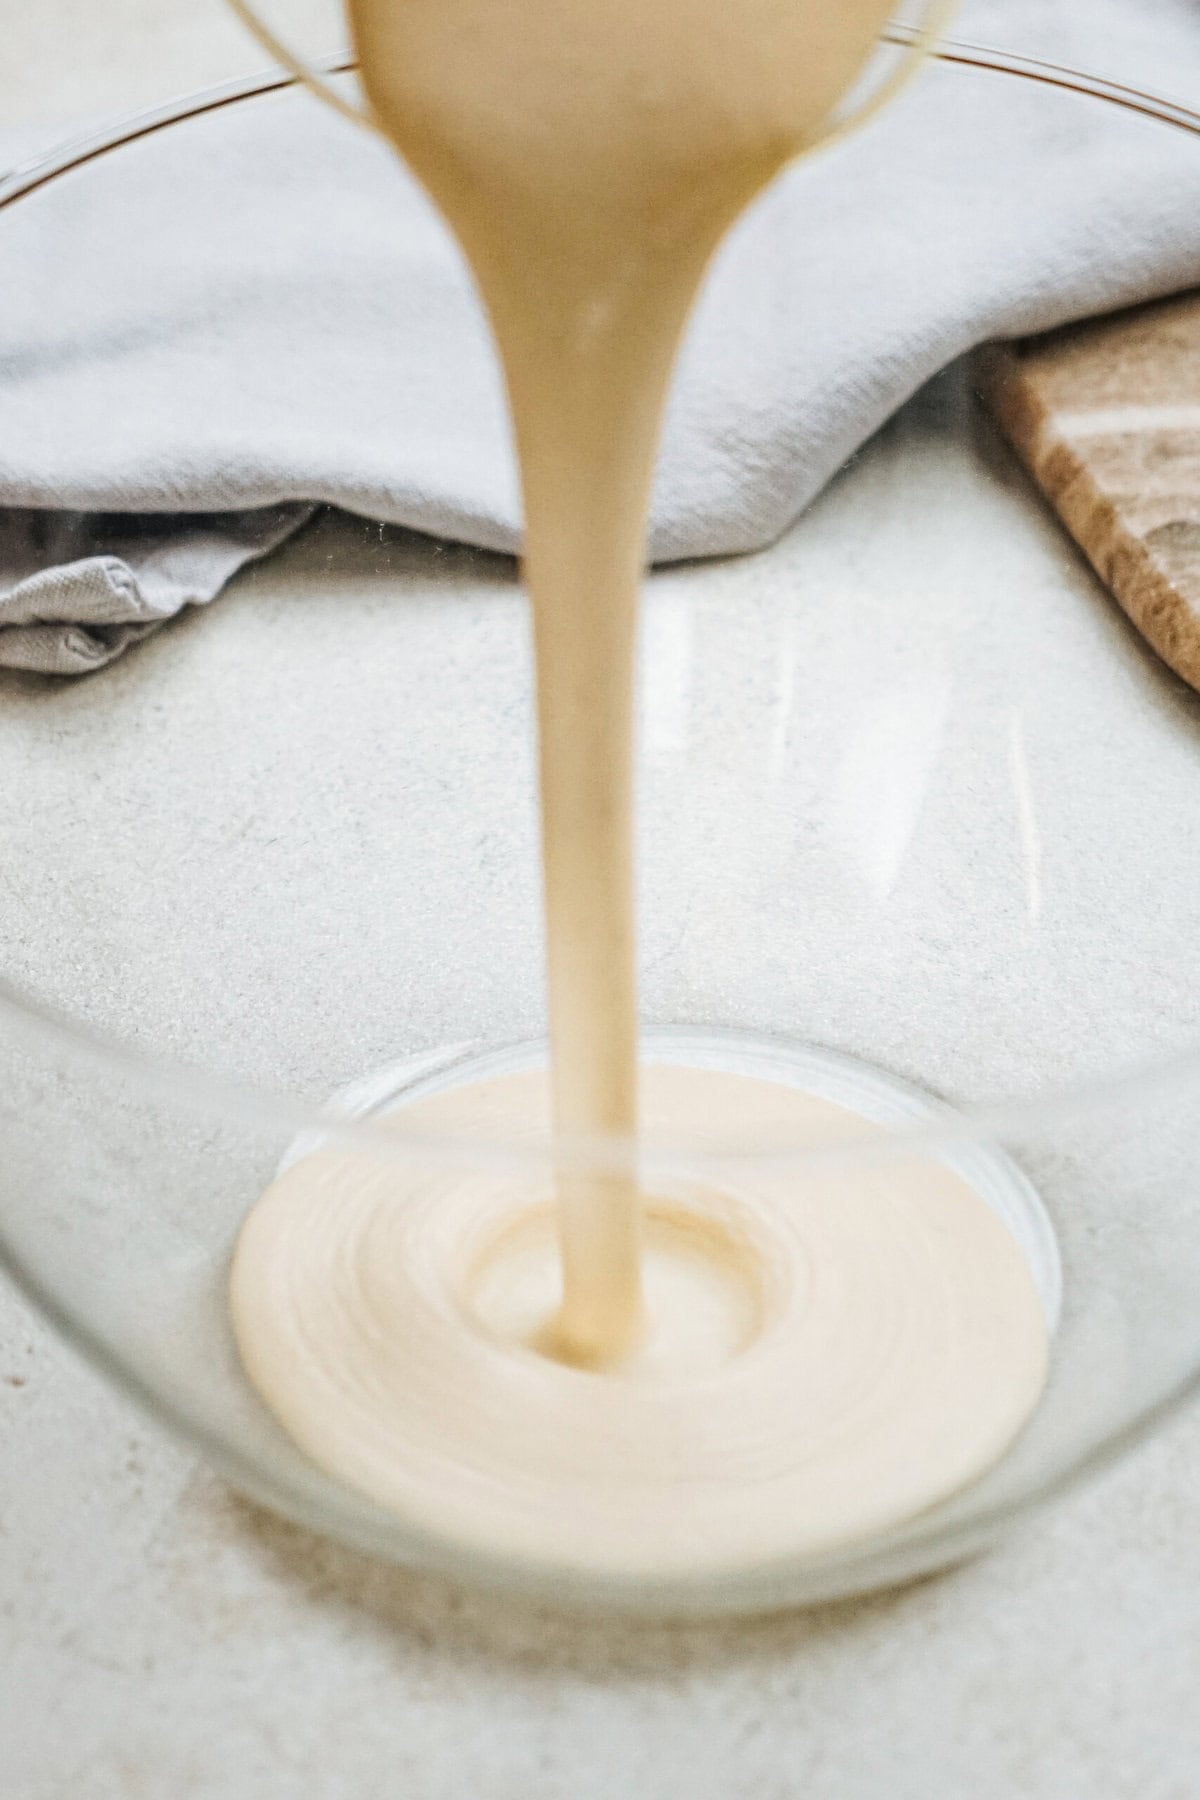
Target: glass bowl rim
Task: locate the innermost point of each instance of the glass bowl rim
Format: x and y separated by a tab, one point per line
47	165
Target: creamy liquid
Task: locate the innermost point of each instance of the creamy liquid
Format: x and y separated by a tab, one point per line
589	155
824	1357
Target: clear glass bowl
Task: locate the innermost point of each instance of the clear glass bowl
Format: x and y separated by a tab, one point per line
911	792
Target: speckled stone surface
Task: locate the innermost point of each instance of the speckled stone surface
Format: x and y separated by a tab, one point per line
161	1639
1106	417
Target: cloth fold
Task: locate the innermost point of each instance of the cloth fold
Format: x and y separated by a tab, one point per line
78	588
207	332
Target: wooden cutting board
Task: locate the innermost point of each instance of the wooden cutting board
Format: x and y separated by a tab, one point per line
1106	418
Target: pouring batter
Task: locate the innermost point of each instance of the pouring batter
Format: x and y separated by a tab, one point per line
609	1376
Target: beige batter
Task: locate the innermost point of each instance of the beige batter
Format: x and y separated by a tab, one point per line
824	1356
590	154
788	1368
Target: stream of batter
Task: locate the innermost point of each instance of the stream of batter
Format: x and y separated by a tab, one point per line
617	1377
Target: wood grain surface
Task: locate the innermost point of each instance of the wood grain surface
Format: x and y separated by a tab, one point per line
1106	418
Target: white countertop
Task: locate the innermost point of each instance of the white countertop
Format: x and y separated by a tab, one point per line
160	1637
164	1640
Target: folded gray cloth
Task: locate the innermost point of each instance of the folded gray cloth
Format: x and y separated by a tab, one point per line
204	333
77	588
